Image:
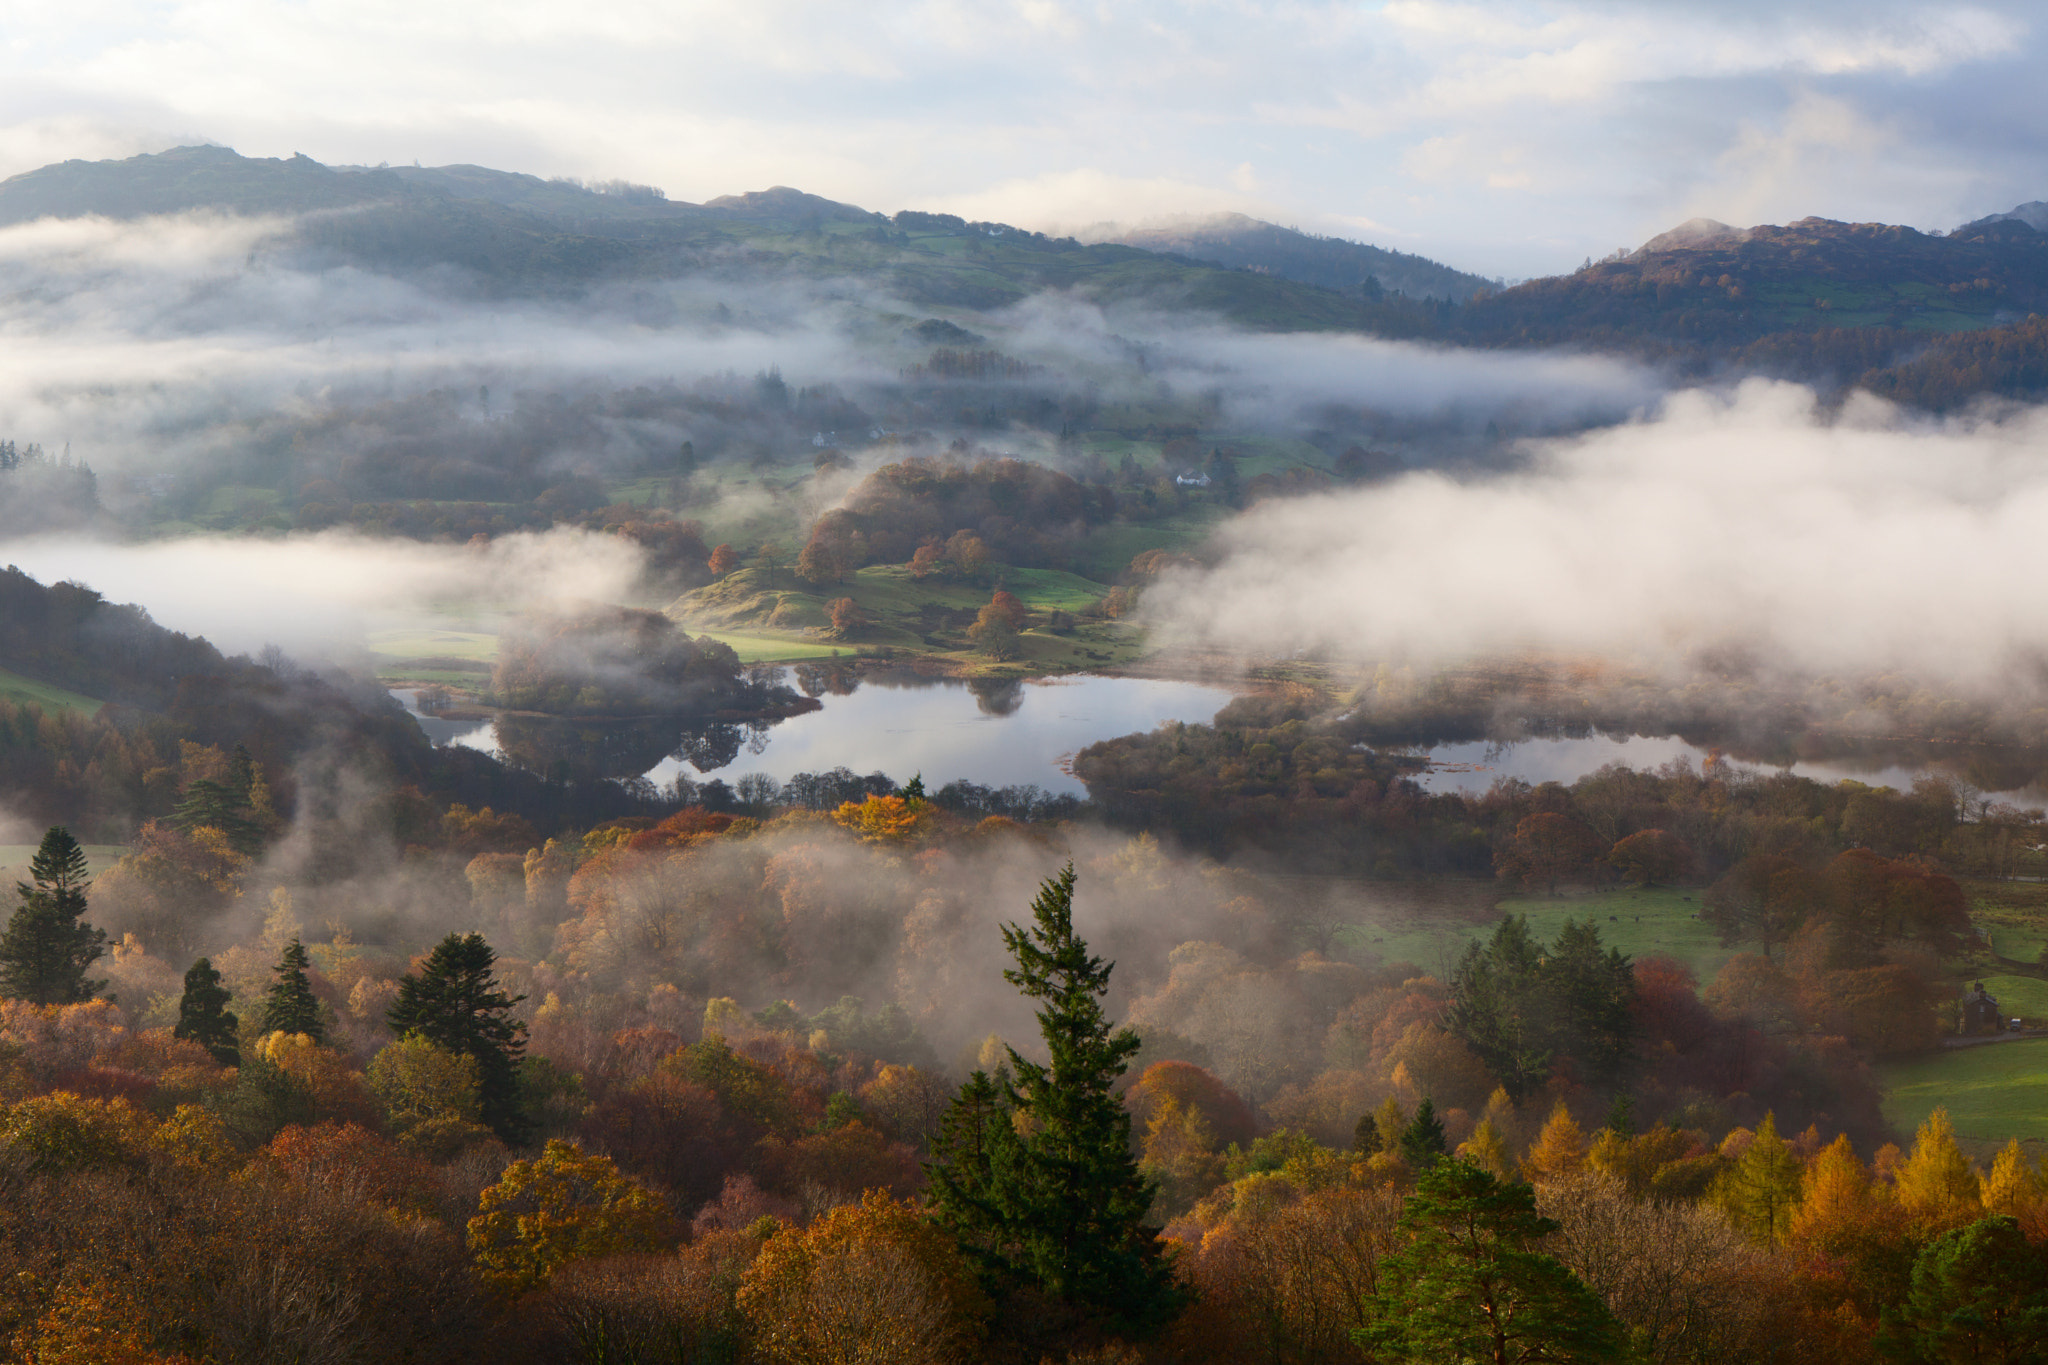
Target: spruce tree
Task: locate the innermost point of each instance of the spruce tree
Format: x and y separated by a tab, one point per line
1061	1205
1470	1284
207	804
203	1014
976	1139
46	949
1422	1141
455	1003
290	1006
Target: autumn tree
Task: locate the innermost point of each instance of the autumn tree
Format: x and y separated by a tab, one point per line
1763	899
1545	848
1470	1285
1651	857
874	1282
562	1206
847	617
995	633
1054	1196
203	1014
290	1005
429	1095
1761	1191
968	551
819	562
47	949
724	559
454	1002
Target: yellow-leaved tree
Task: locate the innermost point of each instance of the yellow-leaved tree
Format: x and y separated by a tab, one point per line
430	1096
873	1283
1560	1150
882	819
563	1206
1938	1187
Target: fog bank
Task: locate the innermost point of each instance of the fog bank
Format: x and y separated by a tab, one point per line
1750	521
312	593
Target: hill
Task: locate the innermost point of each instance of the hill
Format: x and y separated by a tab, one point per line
1242	243
518	234
1928	318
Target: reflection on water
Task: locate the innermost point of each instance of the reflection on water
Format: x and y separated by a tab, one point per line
1475	766
996	733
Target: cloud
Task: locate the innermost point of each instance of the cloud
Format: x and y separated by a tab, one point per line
317	593
1627	108
1855	545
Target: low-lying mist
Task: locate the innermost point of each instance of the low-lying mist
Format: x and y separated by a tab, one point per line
158	346
318	593
1750	526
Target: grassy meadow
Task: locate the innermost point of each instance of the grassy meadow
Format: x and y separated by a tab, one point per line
928	617
20	690
1993	1092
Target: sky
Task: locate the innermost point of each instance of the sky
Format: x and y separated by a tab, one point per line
1505	138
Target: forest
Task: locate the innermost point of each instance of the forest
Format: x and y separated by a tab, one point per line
323	1042
386	1052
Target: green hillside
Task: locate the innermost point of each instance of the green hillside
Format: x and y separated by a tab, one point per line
17	689
919	616
524	235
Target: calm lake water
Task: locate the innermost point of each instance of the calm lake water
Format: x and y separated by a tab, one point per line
1474	767
1014	733
996	735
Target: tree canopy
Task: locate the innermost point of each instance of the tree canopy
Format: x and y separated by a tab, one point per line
47	949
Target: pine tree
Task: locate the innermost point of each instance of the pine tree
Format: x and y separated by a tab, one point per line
46	949
217	805
1469	1286
290	1006
976	1139
454	1002
203	1014
1061	1204
1422	1141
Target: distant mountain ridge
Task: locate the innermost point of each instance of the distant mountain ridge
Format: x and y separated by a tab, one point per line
510	233
1244	243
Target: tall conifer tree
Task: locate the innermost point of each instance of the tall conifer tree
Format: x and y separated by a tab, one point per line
1061	1204
47	949
454	1002
290	1006
203	1014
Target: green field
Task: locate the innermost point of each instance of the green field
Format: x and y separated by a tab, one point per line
434	644
927	616
775	649
17	689
1993	1093
1654	922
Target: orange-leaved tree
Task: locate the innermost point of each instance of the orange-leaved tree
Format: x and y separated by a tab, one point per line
565	1205
869	1282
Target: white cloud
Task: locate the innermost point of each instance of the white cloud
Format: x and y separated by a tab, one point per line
1858	545
1624	115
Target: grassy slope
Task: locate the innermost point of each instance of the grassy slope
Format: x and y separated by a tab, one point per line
1993	1093
1998	1091
903	612
1657	921
17	689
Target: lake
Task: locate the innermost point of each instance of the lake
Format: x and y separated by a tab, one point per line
994	734
1474	767
1014	733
